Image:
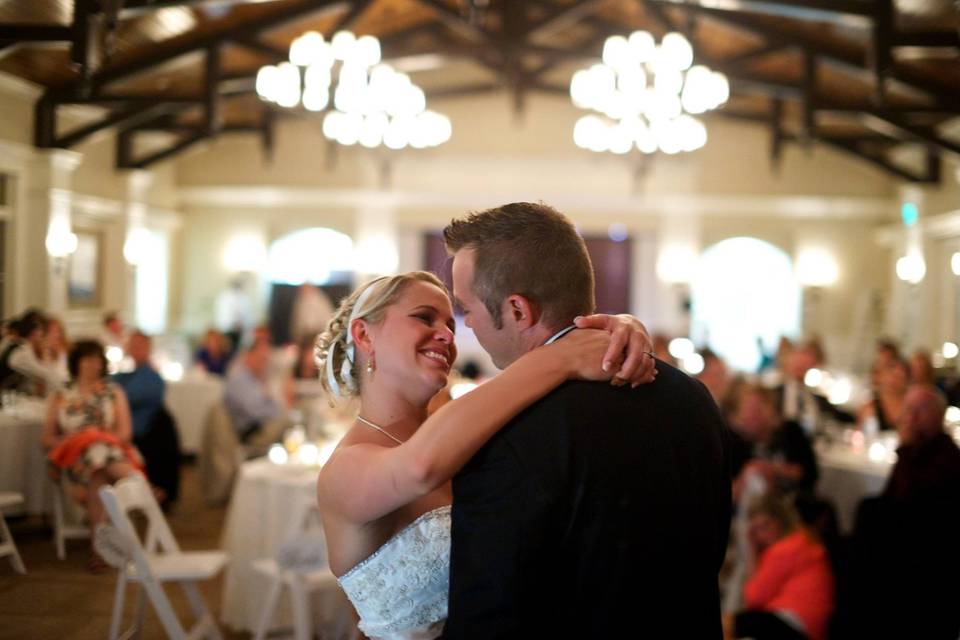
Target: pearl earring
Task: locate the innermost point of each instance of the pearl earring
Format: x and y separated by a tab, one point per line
371	367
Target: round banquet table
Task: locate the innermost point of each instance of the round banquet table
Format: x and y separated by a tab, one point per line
189	401
265	497
23	465
847	477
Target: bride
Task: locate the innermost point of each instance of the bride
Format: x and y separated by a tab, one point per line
385	492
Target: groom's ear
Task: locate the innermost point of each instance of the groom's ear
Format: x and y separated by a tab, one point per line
521	312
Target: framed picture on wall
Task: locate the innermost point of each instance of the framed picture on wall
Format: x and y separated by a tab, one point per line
85	271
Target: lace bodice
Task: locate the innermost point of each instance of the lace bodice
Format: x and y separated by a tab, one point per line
400	591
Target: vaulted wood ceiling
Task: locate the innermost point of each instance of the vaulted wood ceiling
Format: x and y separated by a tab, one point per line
866	77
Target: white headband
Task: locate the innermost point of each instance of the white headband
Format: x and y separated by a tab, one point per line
346	373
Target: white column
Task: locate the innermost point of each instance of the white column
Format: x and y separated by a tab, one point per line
135	221
40	279
376	238
678	252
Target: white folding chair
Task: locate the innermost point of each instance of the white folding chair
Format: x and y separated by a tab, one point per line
157	560
67	518
301	581
7	546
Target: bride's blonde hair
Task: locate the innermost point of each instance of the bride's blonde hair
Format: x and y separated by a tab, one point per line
334	350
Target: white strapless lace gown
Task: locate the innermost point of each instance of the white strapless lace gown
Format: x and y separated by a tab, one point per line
400	591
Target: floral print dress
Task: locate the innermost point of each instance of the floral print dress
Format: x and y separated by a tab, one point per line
81	412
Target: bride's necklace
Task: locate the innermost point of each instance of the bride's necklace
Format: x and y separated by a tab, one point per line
379	428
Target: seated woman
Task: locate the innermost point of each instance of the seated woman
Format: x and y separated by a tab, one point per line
880	413
22	367
87	434
214	354
790	591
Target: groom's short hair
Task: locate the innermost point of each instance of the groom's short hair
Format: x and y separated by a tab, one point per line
529	249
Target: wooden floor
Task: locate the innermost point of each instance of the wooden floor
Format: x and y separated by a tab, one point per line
61	600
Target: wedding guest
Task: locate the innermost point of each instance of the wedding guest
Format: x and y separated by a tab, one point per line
790	591
154	433
214	353
256	414
886	352
56	346
113	334
311	312
775	448
880	413
21	365
143	386
798	402
904	542
87	434
305	367
234	312
715	375
921	368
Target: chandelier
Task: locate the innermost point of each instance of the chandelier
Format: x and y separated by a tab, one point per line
372	103
645	95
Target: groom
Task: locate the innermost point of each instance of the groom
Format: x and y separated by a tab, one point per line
600	511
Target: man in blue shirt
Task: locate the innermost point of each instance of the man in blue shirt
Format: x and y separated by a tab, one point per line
144	386
154	432
257	415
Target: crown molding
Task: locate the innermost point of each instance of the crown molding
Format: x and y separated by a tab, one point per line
793	207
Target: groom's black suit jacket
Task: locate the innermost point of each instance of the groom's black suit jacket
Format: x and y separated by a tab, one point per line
599	512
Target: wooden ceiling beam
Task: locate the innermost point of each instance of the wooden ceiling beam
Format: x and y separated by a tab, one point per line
126	118
350	17
854	149
561	17
253	44
848	12
838	58
12	33
184	143
895	127
455	21
165	52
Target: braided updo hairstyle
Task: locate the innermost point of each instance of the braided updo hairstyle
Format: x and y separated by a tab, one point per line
333	350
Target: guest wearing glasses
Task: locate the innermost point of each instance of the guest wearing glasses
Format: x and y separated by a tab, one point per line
904	543
87	434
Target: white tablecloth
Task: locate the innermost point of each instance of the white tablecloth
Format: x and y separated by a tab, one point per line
264	499
23	466
189	401
846	478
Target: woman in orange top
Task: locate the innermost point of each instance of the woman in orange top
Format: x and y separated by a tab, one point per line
790	592
87	433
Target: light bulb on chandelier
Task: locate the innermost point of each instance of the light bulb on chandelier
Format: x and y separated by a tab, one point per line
646	96
372	104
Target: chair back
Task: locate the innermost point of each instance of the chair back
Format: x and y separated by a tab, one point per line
219	455
304	548
133	494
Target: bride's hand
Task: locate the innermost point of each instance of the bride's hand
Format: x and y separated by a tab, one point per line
630	343
581	353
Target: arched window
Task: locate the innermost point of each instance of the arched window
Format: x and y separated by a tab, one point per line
314	255
745	295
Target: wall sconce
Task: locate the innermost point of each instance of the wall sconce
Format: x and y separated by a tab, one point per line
955	263
816	268
134	248
245	253
911	268
60	243
677	265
